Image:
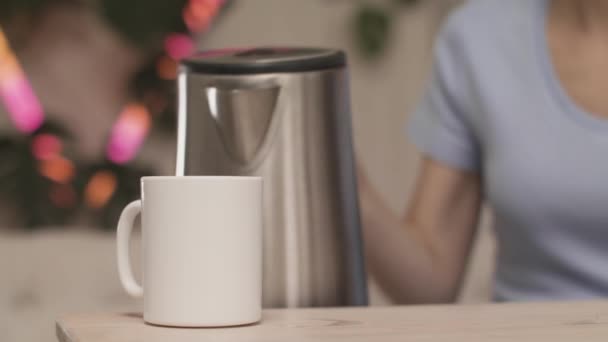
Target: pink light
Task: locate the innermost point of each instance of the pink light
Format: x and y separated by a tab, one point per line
128	133
179	46
46	146
22	104
16	92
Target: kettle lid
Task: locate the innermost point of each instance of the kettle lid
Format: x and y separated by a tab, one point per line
264	60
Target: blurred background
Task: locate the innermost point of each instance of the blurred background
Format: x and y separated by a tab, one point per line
87	107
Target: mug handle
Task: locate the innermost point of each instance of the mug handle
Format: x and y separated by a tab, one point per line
123	237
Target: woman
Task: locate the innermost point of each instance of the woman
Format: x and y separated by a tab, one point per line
517	115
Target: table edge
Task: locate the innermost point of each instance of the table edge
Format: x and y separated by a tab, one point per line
61	334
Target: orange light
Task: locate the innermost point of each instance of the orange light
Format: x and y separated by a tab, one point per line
100	189
195	25
4	49
166	68
57	169
63	196
202	10
198	15
9	68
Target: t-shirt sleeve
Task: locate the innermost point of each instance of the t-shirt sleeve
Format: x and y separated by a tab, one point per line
440	127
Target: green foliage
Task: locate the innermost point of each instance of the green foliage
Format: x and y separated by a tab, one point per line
406	2
373	24
11	7
144	22
23	187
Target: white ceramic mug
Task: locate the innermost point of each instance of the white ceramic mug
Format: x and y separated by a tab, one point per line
202	250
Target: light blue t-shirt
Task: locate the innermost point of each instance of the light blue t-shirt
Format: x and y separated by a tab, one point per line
495	106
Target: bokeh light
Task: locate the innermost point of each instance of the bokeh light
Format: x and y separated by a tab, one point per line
128	133
63	196
3	43
16	92
46	146
57	169
100	189
166	68
199	14
179	45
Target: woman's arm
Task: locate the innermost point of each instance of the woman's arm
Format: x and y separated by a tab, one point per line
421	257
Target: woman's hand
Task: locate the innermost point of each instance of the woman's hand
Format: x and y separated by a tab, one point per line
421	257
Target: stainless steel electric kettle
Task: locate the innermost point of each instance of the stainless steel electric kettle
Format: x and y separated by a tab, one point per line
283	114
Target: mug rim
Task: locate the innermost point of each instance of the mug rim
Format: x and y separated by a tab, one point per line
200	177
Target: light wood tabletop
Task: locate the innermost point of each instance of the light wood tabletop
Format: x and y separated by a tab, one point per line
565	321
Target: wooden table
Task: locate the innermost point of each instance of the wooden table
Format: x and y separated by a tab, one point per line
581	321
